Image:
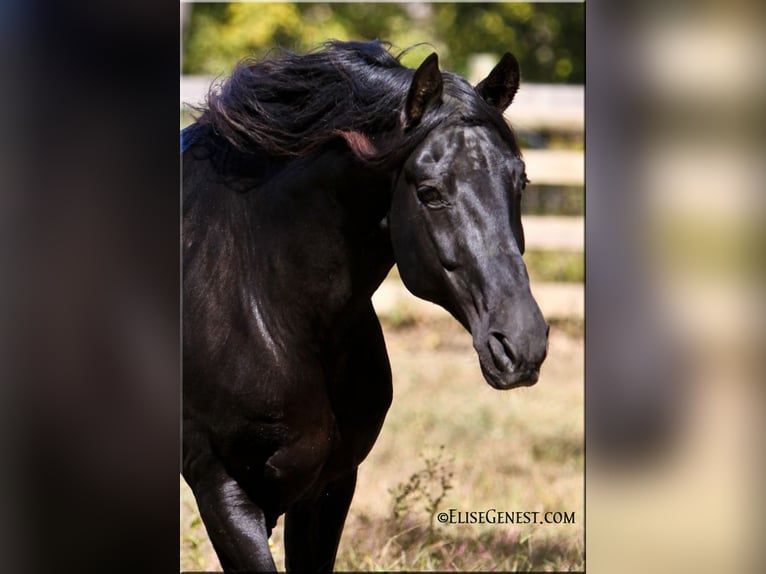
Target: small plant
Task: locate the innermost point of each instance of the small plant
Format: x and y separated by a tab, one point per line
427	487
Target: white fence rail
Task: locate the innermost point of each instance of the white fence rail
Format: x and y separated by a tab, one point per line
555	167
548	106
194	89
556	232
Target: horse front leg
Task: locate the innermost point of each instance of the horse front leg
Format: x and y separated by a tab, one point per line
313	528
235	524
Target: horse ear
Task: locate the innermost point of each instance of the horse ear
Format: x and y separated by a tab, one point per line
425	91
501	85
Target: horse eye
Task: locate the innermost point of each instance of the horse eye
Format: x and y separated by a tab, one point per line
428	194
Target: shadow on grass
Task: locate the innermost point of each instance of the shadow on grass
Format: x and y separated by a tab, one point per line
558	449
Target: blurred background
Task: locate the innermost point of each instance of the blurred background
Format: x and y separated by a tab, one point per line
674	282
674	242
546	38
450	441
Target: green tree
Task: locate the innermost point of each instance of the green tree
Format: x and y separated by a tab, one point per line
547	38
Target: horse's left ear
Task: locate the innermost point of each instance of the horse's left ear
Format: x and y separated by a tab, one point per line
501	85
425	91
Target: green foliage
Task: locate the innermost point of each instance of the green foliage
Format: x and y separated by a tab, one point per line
561	266
547	38
553	200
186	118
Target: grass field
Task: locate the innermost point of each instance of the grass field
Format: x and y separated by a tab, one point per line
451	441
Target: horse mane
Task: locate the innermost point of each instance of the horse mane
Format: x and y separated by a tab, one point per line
293	104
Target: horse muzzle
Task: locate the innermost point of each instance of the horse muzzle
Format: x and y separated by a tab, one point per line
508	364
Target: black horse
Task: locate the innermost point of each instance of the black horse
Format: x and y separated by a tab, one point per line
305	178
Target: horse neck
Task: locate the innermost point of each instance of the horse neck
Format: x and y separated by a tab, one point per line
316	232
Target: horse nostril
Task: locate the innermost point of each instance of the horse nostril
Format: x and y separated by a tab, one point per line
547	330
508	349
502	353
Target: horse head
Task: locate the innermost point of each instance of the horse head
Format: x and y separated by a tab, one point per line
455	220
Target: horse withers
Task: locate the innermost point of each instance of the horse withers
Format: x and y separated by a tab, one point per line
305	178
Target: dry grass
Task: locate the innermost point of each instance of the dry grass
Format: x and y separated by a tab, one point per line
520	450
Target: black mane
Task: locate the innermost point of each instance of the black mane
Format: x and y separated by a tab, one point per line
293	104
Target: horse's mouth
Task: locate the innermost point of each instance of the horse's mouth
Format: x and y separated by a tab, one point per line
506	380
502	368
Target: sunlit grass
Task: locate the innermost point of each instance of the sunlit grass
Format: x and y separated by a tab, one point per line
519	450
